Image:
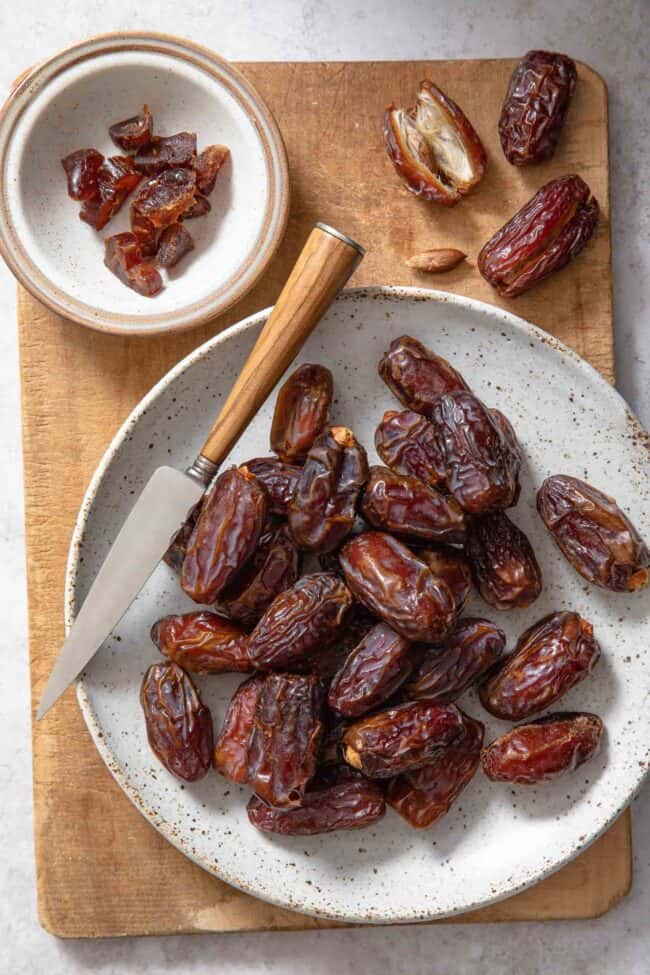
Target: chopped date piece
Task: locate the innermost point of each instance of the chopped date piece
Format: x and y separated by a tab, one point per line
133	133
550	658
82	170
401	738
274	567
162	200
543	750
123	256
594	534
203	643
148	235
448	669
434	148
398	587
405	506
416	376
179	726
226	534
176	552
345	805
166	152
175	242
116	177
322	510
483	469
406	442
208	166
533	113
233	742
279	479
286	738
545	235
146	280
452	566
504	566
301	620
373	671
301	412
199	208
425	795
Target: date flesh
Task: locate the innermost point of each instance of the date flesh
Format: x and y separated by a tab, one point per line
123	256
535	107
82	172
199	208
162	200
405	506
374	670
179	726
504	566
446	671
543	750
416	376
593	534
303	619
301	412
483	469
401	738
208	165
116	178
322	510
425	795
167	152
225	535
203	643
550	658
233	741
452	566
279	479
133	133
398	587
344	805
175	242
406	442
541	238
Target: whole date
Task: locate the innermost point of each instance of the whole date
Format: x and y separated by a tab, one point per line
179	726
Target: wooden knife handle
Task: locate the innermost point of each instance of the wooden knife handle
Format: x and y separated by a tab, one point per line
325	263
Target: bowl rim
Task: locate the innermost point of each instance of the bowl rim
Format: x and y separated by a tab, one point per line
27	87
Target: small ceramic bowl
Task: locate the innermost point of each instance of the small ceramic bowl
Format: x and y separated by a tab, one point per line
67	103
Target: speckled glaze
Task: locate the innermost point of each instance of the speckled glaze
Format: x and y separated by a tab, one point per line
67	103
495	841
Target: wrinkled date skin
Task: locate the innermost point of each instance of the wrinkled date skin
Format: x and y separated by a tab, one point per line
345	805
447	670
452	566
401	738
279	479
416	376
301	412
176	552
232	744
406	442
405	506
326	661
594	534
179	726
372	672
286	738
533	114
425	795
550	658
225	535
203	643
274	567
544	236
543	750
398	587
483	469
301	620
504	566
133	133
322	510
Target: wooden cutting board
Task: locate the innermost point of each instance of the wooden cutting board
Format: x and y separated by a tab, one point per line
101	868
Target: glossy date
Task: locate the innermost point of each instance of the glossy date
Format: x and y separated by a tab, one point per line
203	643
373	671
450	565
279	479
301	412
416	376
405	506
406	442
344	805
504	566
233	741
179	726
448	669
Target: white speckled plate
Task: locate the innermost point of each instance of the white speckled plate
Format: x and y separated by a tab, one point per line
496	840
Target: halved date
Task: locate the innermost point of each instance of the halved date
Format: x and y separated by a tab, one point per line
543	750
401	738
203	643
301	412
405	506
398	587
373	671
550	658
450	565
447	670
179	726
504	566
406	442
594	534
233	741
279	479
425	795
416	376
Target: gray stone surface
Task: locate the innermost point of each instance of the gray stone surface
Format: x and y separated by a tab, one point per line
612	36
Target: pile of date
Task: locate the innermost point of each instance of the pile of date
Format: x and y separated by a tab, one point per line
355	668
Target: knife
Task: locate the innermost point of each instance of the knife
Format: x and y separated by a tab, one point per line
324	265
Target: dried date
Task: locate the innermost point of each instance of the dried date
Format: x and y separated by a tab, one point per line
133	133
175	242
167	152
279	479
232	745
301	412
203	643
123	256
594	534
550	658
406	442
416	376
325	661
405	506
179	726
162	200
445	671
209	164
373	671
344	805
82	171
504	566
450	565
116	178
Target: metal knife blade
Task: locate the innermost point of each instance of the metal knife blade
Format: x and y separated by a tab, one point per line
157	514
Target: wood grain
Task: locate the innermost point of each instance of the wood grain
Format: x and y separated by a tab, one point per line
101	868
